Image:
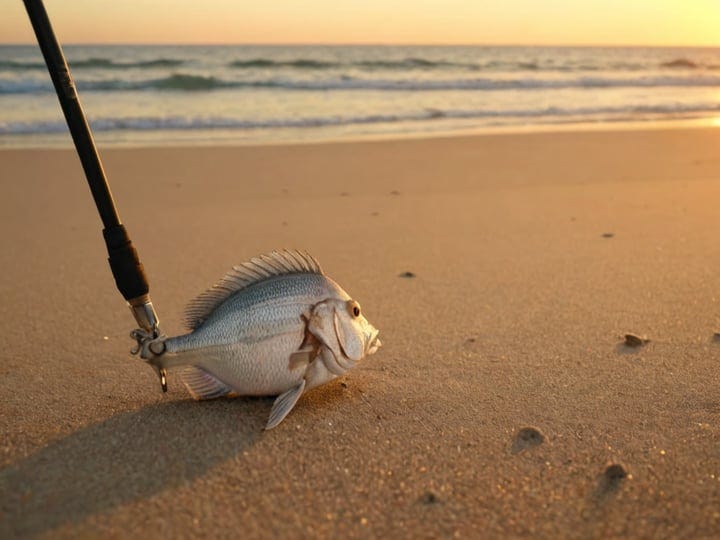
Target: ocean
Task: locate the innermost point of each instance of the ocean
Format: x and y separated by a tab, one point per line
157	95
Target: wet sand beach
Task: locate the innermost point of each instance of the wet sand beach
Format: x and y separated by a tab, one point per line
503	272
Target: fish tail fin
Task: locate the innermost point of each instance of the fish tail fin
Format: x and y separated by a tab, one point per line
203	385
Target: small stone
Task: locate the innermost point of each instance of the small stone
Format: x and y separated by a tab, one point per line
407	275
344	384
610	479
344	194
608	235
394	192
615	472
716	336
633	340
527	437
429	498
105	338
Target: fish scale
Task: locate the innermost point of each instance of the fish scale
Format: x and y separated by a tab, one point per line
259	310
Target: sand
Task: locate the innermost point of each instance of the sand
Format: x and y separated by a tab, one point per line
532	255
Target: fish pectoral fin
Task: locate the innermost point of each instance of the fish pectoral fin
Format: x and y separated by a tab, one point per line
301	358
307	352
203	385
284	404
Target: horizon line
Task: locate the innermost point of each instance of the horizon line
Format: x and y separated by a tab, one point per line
371	44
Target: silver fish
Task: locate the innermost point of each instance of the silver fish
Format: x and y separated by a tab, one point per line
275	325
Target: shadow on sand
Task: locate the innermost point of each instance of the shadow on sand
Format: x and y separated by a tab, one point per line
129	456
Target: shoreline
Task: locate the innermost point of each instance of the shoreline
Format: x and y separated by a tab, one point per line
232	139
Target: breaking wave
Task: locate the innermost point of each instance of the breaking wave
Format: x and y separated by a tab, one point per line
188	82
96	63
301	63
549	114
404	64
681	63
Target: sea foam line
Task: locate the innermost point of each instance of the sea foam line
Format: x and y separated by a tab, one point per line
176	123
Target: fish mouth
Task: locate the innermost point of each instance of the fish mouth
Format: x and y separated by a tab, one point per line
373	342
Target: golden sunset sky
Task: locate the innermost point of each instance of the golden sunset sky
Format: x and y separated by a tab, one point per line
523	22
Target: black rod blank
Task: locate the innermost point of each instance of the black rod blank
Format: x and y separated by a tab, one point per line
123	258
70	103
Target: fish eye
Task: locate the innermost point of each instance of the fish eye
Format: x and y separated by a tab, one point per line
354	308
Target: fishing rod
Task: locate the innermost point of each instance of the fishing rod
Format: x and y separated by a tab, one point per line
124	261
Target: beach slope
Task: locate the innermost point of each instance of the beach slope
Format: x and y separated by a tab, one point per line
502	272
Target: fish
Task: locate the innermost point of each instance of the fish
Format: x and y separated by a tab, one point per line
275	325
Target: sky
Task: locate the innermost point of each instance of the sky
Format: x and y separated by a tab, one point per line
497	22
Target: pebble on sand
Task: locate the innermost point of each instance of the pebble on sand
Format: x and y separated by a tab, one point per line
615	472
429	498
633	340
527	437
407	275
608	235
610	479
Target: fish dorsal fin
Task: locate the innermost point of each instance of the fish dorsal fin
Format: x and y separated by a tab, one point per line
257	269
